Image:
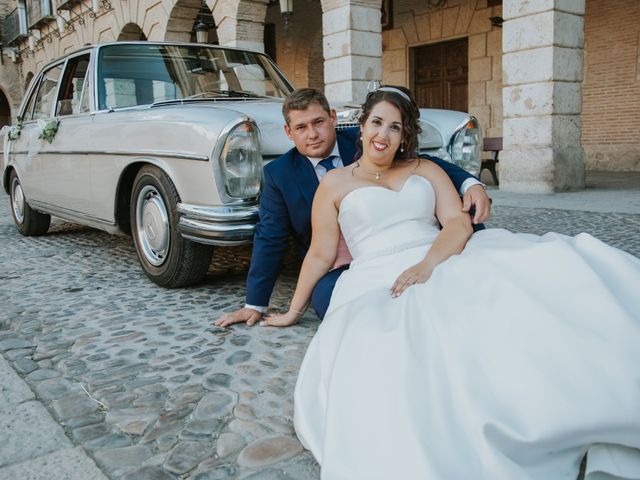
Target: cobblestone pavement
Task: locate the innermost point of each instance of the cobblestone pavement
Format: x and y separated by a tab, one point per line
137	376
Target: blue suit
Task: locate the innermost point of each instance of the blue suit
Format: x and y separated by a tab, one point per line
290	182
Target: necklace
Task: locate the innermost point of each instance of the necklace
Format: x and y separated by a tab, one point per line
377	175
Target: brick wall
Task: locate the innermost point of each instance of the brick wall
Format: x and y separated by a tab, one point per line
611	85
299	45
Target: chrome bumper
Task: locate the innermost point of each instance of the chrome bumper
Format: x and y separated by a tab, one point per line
233	225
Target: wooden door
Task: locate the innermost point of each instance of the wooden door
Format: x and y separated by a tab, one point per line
440	75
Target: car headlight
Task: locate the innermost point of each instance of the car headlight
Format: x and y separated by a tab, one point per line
466	146
241	161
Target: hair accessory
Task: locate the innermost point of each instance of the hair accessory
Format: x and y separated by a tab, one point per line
395	90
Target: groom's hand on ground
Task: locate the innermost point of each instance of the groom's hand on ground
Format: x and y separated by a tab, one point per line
248	315
476	196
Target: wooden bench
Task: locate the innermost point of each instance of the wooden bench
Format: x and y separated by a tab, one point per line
493	145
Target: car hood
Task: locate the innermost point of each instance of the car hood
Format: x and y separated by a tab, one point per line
266	113
268	116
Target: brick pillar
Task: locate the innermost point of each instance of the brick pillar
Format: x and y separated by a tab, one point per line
542	72
352	47
240	23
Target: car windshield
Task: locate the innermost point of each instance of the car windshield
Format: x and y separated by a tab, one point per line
141	74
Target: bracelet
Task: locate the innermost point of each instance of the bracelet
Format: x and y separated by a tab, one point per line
297	312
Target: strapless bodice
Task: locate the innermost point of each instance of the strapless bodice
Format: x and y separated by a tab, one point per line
376	220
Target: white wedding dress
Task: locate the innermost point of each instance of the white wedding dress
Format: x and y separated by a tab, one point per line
512	361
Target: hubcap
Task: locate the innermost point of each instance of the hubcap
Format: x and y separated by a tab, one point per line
17	200
152	226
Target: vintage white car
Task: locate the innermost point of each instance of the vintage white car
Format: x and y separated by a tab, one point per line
166	142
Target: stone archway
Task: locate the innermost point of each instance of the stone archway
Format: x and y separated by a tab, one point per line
183	19
205	17
131	32
5	110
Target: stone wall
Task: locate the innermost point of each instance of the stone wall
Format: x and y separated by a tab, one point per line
414	24
6	7
611	85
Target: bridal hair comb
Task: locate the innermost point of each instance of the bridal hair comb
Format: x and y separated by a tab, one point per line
395	90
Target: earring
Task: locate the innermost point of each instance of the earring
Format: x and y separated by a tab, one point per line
402	147
360	137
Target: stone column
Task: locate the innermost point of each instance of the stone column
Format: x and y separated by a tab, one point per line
240	23
542	73
352	47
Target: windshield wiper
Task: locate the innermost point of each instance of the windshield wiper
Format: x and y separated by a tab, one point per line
226	93
210	94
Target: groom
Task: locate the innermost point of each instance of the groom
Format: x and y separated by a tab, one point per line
290	183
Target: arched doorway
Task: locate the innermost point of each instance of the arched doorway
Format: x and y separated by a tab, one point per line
131	32
5	110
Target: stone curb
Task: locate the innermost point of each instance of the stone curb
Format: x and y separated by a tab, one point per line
34	446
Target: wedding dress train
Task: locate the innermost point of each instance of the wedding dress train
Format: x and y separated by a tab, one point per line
512	361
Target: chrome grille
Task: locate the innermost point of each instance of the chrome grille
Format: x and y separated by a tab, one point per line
342	126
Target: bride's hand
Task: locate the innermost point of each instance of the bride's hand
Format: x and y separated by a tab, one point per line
419	273
281	319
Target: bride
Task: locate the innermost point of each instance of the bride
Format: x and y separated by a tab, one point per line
419	372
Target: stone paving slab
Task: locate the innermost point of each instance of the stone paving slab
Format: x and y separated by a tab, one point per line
67	464
13	390
140	378
28	431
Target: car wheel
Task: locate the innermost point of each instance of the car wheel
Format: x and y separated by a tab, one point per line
166	257
29	221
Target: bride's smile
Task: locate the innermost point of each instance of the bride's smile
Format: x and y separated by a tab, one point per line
382	135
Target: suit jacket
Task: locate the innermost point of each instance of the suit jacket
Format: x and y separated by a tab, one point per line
289	184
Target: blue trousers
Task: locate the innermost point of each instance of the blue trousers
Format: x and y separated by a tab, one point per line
323	290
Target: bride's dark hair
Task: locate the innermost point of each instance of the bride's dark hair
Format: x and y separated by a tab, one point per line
409	114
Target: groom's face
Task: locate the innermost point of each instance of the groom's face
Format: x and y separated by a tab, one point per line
312	130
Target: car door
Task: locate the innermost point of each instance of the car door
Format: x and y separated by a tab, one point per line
68	157
27	151
56	170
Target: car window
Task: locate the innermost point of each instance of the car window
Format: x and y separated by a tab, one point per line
72	90
131	75
29	110
46	93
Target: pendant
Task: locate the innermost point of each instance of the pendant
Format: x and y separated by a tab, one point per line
377	176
